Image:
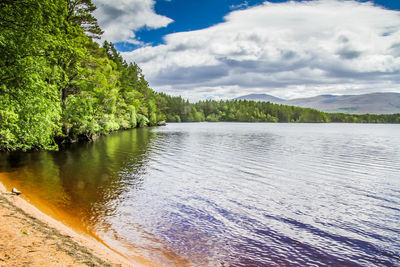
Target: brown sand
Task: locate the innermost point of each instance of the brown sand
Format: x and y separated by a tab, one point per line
28	237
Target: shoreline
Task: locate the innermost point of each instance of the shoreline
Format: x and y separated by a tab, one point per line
32	237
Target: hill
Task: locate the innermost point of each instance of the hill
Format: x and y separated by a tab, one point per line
374	103
262	98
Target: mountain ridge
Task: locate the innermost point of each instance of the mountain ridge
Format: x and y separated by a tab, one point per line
371	103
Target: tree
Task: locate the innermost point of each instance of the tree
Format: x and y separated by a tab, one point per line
29	80
80	14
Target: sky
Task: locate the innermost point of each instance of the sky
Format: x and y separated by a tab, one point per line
221	49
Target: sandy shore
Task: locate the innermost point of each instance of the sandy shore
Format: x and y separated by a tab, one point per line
31	238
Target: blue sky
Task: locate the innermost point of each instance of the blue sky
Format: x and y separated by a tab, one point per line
188	15
226	48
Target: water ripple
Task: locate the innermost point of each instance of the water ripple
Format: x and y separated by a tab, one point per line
234	194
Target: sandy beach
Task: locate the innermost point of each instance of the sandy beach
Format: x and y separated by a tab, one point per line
31	238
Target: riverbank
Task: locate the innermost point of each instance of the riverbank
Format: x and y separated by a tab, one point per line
31	238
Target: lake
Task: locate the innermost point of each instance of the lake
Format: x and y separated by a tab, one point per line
228	194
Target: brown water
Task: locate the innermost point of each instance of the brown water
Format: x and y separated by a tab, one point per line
78	185
231	194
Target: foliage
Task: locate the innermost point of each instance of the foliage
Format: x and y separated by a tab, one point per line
56	83
80	14
177	109
29	106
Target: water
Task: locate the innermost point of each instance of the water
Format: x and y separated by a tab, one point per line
231	194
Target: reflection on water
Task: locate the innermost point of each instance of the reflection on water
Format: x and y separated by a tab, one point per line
82	183
230	193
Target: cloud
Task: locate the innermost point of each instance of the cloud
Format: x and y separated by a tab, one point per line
121	18
289	49
245	4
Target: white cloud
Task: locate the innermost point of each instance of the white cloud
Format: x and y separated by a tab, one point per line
121	18
287	49
245	4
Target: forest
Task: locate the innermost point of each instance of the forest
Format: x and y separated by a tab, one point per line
58	85
179	110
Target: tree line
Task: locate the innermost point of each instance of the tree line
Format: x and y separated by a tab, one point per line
178	109
58	85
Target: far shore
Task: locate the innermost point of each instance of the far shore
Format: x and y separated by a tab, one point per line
31	238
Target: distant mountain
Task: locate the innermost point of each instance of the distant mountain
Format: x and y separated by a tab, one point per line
261	97
375	103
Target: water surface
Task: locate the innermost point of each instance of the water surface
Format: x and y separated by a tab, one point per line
230	194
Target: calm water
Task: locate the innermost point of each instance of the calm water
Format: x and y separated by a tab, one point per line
231	194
